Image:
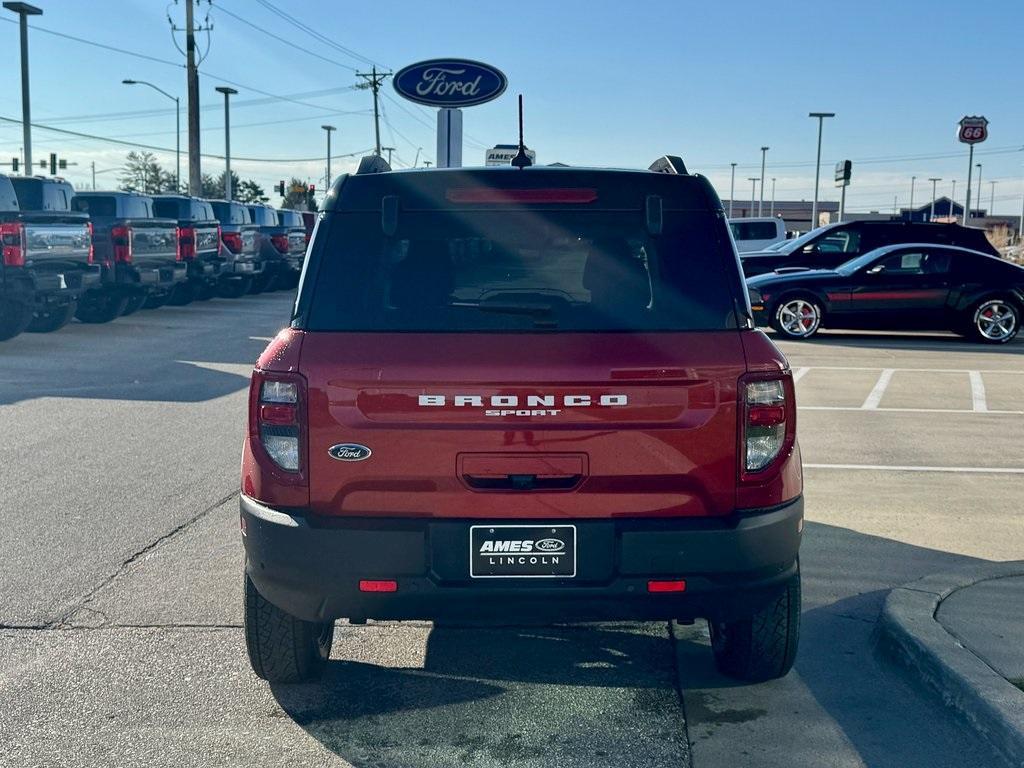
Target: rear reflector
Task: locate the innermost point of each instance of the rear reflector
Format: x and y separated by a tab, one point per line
666	586
487	195
278	414
366	585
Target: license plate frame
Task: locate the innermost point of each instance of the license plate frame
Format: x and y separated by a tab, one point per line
533	563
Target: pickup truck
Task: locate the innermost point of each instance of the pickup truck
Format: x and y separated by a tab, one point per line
137	252
198	244
46	261
281	247
239	239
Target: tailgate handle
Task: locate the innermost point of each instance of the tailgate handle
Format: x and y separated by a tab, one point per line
522	482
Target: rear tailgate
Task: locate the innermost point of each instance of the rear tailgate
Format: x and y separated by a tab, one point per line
207	239
296	241
599	425
250	240
154	241
59	238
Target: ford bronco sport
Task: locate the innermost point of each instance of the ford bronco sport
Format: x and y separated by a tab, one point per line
522	395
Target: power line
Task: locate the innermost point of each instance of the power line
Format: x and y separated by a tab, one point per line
317	35
99	45
137	145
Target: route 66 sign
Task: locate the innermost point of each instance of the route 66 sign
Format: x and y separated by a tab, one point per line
973	129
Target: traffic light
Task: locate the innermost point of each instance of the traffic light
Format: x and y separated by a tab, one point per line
280	188
62	163
311	197
14	165
53	163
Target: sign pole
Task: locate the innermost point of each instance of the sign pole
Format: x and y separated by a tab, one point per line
449	138
970	167
842	203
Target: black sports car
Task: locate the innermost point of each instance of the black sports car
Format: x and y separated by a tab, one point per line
912	286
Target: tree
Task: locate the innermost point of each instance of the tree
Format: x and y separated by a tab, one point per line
211	187
249	191
297	196
142	173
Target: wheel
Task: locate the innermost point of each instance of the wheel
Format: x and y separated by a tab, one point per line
994	321
235	287
53	318
14	318
134	304
763	646
100	307
205	291
282	648
182	294
796	317
265	281
156	300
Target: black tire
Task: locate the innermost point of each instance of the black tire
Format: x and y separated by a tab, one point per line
786	329
14	318
135	303
156	300
282	648
182	294
100	308
235	287
205	291
265	281
980	326
763	646
53	318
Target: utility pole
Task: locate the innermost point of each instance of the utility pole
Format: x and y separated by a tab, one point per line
328	128
195	175
374	80
732	188
24	10
952	200
817	167
992	199
760	201
934	181
753	192
389	150
912	180
93	175
228	92
773	197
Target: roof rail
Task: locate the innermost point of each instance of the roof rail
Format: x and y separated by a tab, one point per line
669	164
373	164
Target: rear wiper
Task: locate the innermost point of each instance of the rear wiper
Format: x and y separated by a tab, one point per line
543	314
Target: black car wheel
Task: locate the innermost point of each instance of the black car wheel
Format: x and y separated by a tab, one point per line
156	299
234	288
100	308
135	302
183	293
797	317
53	318
14	318
995	321
265	281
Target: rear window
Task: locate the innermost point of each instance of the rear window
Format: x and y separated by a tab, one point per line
290	219
95	206
265	217
521	270
201	212
753	230
167	209
38	195
230	213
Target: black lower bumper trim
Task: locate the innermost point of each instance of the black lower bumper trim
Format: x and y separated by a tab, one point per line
311	567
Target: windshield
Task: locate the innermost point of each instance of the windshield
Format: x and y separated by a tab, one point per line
516	271
791	246
853	265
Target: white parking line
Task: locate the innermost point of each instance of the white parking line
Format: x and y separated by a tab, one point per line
875	396
799	373
914	370
978	391
887	468
907	410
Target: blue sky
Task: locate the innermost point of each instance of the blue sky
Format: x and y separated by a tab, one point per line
605	83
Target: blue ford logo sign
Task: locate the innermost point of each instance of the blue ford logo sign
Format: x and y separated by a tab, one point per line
450	82
349	452
550	545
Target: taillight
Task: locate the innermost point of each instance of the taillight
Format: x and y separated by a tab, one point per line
276	418
232	241
186	243
12	235
92	248
280	242
121	237
769	422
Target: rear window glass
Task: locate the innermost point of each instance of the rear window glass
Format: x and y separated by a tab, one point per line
38	195
167	209
265	217
290	219
95	206
522	270
230	213
753	230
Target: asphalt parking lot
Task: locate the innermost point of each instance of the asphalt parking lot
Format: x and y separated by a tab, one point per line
120	578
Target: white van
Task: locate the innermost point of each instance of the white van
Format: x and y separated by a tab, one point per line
756	234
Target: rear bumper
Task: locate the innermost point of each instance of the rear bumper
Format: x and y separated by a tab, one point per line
242	267
64	284
311	567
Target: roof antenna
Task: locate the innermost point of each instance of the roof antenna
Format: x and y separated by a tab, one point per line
521	160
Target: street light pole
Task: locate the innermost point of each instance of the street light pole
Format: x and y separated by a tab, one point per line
228	92
952	200
389	150
328	128
978	166
992	199
912	180
732	188
417	160
177	127
773	197
24	10
817	166
753	191
760	202
934	181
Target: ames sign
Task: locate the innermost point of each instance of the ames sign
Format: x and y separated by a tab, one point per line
450	83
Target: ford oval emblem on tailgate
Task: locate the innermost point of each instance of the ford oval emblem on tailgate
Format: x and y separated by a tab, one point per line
349	452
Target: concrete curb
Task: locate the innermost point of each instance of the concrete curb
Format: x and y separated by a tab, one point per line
909	633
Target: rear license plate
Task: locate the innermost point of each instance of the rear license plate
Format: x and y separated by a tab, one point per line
522	551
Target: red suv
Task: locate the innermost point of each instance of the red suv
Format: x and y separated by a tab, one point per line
519	395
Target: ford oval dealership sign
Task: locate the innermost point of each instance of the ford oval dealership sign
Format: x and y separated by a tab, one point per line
450	83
